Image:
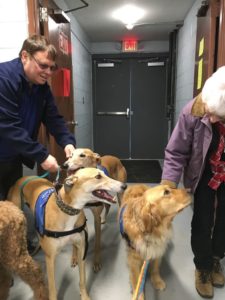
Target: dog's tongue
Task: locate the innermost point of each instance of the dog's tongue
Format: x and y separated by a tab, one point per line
103	194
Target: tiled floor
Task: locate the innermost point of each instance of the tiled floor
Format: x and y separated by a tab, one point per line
112	282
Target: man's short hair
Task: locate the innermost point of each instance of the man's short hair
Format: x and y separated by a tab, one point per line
38	43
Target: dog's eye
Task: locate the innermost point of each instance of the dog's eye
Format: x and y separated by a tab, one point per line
99	176
166	192
82	155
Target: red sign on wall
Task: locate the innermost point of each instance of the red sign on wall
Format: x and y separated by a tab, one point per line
129	46
63	43
63	89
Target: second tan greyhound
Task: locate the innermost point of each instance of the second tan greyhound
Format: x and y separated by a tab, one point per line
112	166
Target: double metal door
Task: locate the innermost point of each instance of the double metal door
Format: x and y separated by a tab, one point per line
130	108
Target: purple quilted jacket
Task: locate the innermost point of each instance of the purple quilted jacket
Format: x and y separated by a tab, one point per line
186	150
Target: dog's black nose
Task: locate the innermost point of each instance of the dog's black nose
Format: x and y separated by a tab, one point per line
124	186
64	166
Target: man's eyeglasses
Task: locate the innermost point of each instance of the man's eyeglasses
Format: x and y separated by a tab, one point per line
45	66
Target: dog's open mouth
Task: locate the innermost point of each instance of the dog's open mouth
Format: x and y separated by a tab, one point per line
103	194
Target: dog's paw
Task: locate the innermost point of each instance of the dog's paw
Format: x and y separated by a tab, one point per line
158	283
141	297
103	220
74	262
84	295
97	267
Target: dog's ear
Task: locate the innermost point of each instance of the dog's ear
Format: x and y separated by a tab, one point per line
69	182
97	157
146	215
151	217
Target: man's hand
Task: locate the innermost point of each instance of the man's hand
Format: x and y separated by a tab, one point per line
50	164
69	150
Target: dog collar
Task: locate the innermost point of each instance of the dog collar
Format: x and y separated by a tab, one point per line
69	210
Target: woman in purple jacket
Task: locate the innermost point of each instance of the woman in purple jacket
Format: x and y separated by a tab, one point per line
196	150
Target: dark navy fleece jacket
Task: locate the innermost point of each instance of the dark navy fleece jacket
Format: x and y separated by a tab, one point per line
22	110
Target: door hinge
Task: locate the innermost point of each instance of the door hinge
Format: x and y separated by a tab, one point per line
43	13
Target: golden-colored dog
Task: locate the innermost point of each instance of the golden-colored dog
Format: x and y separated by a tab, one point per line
112	166
146	216
14	257
64	215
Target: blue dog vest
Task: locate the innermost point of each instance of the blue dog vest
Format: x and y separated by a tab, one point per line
40	210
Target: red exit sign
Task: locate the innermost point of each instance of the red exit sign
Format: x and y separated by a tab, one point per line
129	46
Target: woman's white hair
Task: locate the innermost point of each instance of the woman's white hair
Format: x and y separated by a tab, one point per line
213	93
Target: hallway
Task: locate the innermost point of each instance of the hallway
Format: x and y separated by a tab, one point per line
112	282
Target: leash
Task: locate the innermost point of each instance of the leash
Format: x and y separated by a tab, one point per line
23	185
142	276
141	280
56	182
46	174
57	176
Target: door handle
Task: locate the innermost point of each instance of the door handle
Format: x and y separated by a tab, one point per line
74	123
126	113
111	113
129	113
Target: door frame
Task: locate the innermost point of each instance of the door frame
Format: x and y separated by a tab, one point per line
33	17
38	26
213	56
221	44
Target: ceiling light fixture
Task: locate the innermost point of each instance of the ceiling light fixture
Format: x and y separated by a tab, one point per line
128	15
129	26
177	24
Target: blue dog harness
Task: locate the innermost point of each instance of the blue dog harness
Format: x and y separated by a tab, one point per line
40	217
39	213
102	168
40	210
40	220
122	232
